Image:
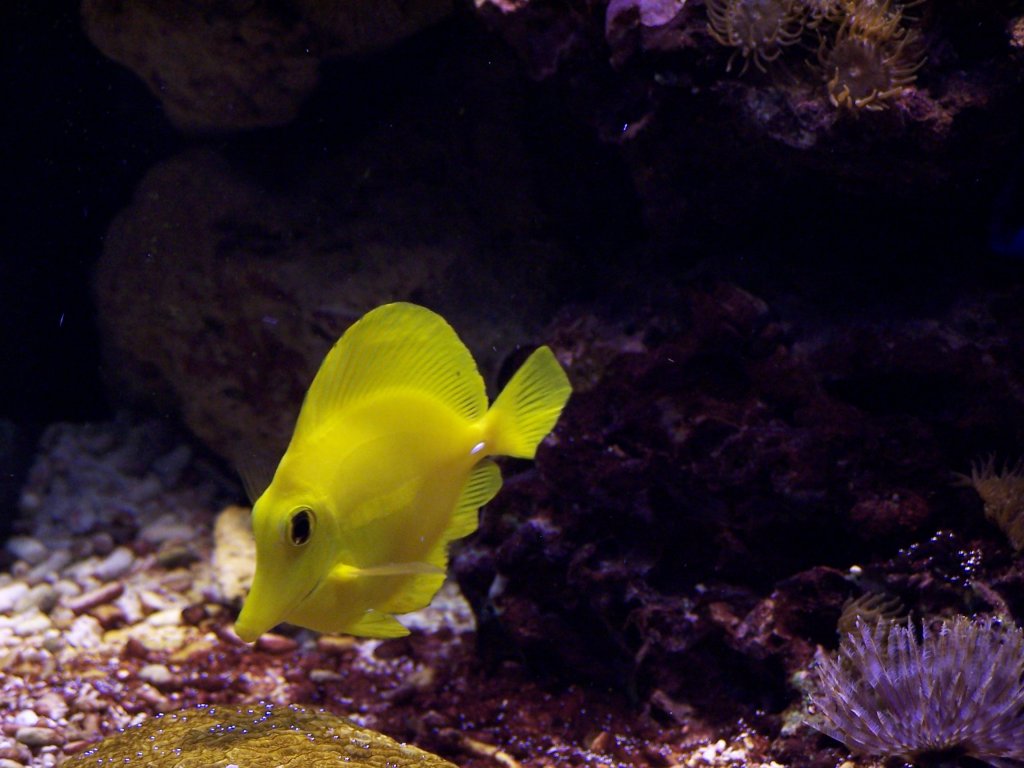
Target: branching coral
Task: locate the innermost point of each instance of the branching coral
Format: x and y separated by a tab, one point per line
958	689
1002	491
757	29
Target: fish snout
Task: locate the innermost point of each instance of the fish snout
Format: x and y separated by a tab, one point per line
264	608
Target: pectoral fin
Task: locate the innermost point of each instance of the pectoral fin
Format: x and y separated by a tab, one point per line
343	572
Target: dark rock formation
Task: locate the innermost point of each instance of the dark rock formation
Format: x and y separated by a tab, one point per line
718	487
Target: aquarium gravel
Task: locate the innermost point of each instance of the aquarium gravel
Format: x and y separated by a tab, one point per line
117	601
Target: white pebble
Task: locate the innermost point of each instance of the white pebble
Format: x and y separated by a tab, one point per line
33	623
53	640
50	567
153	601
26	718
26	548
115	564
156	674
52	705
67	588
37	736
84	632
130	606
11	594
41	596
167	528
170	617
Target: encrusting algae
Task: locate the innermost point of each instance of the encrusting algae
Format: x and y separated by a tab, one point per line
262	736
387	465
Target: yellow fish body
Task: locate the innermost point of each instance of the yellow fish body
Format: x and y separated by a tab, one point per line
387	465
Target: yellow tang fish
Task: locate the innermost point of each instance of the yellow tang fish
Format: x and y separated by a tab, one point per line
387	465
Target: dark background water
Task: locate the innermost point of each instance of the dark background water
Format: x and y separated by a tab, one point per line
81	131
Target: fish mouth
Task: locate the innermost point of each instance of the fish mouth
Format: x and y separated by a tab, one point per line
257	618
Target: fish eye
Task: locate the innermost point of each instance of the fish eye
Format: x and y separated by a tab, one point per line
300	526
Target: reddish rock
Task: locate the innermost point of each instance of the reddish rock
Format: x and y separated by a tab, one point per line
272	643
97	597
897	514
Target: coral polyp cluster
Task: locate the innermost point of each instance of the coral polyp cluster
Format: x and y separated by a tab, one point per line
870	609
757	29
1002	492
872	57
871	60
868	51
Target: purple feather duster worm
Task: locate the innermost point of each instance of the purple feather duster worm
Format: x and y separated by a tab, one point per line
959	689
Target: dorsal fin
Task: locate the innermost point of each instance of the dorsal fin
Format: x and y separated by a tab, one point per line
395	345
256	472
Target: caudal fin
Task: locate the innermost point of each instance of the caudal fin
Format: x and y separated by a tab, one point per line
527	409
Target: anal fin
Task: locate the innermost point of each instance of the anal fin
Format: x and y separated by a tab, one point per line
378	624
416	593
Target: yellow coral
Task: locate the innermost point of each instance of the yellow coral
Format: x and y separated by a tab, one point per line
261	736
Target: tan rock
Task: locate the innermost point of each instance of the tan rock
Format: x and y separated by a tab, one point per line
234	553
219	296
214	65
